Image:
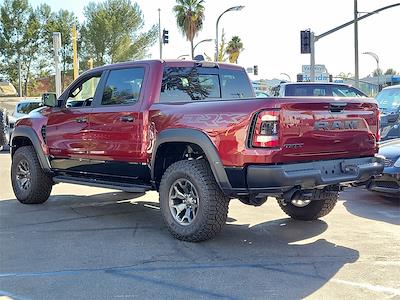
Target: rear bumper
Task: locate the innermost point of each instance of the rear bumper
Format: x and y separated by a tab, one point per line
310	175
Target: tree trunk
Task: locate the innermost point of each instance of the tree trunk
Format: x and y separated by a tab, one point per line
191	48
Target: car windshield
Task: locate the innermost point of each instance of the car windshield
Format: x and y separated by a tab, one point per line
27	107
389	99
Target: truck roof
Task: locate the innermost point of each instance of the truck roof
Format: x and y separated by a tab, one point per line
170	62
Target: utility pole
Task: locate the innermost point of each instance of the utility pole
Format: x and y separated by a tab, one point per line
75	50
57	46
316	38
312	57
356	68
159	32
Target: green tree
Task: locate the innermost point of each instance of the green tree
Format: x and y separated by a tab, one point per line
111	32
377	72
390	71
234	48
344	75
20	40
189	18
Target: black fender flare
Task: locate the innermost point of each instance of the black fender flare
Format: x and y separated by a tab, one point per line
28	132
199	138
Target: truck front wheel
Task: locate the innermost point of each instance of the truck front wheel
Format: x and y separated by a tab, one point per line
30	183
321	204
192	204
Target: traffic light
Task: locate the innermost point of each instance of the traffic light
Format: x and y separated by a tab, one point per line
305	41
165	36
255	70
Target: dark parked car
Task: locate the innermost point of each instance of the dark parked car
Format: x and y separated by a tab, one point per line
388	184
389	105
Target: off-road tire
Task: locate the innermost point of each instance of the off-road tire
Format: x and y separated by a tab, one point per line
41	182
322	204
3	127
213	204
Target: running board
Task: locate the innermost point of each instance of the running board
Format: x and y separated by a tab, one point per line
126	187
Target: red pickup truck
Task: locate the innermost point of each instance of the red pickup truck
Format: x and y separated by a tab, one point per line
194	131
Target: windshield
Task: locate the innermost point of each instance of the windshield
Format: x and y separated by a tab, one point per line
389	99
27	107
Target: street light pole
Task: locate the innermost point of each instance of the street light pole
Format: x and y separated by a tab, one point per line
202	41
234	8
182	56
159	32
376	57
288	76
312	57
356	74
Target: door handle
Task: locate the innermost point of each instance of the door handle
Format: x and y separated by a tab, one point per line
127	119
81	120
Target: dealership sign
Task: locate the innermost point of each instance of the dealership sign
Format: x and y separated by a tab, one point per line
321	74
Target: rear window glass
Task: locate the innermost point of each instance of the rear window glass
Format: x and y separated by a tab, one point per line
235	84
196	84
305	90
344	91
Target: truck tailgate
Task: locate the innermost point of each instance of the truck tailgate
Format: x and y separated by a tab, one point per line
326	128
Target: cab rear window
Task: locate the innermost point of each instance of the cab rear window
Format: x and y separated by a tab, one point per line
203	84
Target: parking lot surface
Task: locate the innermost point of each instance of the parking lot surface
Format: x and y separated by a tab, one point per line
92	243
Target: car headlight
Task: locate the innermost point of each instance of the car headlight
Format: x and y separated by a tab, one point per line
397	163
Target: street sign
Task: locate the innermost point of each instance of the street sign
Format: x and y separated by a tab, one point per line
317	69
321	73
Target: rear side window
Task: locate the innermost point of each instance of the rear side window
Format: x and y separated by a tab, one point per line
196	84
123	86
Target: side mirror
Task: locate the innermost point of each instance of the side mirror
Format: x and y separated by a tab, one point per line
49	99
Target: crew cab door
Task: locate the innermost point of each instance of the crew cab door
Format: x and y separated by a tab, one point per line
67	131
116	125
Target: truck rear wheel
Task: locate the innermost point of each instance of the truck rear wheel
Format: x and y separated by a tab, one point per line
30	183
192	204
321	204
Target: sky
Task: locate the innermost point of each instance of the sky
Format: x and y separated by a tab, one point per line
270	32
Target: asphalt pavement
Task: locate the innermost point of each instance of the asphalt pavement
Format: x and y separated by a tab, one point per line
92	243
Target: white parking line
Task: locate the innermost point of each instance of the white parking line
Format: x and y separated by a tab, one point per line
375	288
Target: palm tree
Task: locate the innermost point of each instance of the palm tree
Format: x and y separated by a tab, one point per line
235	46
189	18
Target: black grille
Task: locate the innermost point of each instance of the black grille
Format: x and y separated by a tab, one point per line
388	163
43	131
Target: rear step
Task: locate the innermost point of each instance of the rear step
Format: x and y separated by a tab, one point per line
126	187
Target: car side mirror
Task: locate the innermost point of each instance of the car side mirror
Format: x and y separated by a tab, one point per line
49	99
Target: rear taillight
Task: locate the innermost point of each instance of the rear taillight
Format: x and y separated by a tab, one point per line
378	134
266	130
